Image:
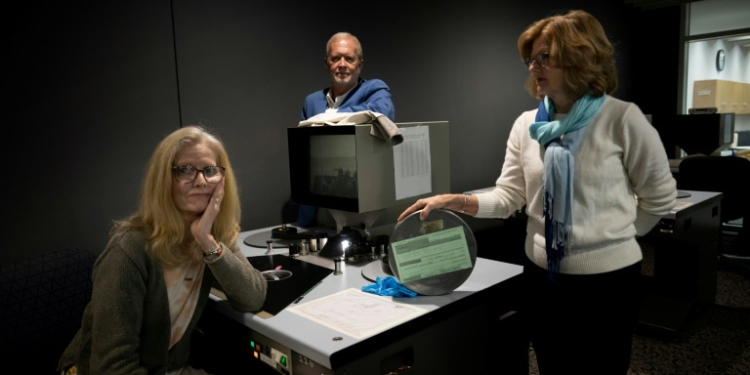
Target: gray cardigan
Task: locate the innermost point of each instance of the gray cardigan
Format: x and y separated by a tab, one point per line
126	326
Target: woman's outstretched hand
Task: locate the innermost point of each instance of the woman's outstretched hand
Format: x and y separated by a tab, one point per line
455	202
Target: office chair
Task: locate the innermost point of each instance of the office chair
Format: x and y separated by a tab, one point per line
725	174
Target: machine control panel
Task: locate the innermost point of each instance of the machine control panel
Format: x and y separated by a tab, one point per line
282	359
666	226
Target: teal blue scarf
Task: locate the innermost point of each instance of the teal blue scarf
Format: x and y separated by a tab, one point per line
559	167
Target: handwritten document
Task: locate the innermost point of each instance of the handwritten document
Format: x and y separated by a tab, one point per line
357	313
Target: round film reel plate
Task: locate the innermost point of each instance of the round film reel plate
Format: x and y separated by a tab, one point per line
443	246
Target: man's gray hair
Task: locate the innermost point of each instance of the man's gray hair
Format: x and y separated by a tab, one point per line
344	35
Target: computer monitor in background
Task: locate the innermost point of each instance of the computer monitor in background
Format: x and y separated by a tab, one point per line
365	181
707	134
743	138
700	133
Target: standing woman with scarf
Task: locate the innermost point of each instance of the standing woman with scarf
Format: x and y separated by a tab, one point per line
593	175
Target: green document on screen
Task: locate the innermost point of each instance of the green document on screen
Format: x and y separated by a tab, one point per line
431	254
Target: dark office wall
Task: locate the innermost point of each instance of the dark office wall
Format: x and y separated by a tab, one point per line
90	88
99	85
657	72
655	61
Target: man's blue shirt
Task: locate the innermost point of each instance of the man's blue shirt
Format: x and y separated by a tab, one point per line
372	94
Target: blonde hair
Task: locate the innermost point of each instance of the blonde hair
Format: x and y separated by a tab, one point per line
157	214
578	45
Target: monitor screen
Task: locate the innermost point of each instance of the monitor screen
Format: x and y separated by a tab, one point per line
346	168
705	133
727	129
743	138
316	155
333	165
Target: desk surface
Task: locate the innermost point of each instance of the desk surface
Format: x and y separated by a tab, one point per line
694	201
315	340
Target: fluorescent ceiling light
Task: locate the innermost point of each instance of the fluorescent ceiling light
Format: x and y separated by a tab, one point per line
738	38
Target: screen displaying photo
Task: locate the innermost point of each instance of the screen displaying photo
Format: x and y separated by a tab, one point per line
333	165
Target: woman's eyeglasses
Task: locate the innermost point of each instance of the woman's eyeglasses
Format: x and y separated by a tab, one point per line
541	59
188	173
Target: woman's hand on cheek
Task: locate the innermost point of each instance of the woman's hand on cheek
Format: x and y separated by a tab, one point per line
201	226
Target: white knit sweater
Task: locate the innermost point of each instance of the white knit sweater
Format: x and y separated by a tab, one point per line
621	157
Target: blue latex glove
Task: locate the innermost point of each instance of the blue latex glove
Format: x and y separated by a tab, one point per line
388	286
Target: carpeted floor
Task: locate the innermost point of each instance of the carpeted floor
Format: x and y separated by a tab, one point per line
715	341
